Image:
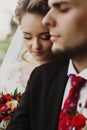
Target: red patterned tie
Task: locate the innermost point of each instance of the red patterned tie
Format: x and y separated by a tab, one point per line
70	103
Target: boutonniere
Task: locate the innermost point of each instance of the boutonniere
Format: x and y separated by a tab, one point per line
78	119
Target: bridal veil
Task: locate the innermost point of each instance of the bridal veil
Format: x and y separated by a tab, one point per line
12	56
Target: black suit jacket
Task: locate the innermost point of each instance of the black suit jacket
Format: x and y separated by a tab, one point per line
41	102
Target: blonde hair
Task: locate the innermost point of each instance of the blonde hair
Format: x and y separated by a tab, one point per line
23	55
31	6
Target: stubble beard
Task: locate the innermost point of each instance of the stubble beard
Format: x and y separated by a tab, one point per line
78	51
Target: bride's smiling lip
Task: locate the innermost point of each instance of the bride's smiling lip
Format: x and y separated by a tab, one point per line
37	53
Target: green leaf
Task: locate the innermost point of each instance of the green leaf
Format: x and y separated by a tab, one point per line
16	92
1	93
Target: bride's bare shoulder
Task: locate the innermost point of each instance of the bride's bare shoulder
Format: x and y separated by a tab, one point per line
28	66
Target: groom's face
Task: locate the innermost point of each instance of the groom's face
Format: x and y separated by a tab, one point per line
67	20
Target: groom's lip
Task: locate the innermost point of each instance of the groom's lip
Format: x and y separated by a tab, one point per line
54	37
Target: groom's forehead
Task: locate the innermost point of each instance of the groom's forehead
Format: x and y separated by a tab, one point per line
52	2
55	2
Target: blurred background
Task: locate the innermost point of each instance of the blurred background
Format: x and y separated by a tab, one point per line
7	25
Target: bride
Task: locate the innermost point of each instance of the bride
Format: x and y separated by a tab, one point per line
30	47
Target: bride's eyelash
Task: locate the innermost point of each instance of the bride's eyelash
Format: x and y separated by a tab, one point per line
27	38
45	37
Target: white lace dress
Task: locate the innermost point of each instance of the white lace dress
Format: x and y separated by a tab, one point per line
13	80
17	77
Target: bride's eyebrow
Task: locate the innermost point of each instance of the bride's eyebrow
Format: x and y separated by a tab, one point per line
27	33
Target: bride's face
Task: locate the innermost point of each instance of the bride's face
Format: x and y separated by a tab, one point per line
36	37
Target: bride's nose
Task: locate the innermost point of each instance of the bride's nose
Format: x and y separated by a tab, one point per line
36	44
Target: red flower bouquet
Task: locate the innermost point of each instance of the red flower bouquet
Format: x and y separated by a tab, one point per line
8	104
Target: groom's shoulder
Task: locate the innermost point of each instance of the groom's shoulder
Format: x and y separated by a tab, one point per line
53	65
51	68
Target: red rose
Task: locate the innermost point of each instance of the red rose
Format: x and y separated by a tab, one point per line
1	105
5	118
18	97
78	121
7	97
4	108
0	96
1	116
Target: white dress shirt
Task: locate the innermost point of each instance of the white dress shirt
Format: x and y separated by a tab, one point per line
83	93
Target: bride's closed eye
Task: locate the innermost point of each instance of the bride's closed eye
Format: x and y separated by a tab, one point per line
45	37
27	36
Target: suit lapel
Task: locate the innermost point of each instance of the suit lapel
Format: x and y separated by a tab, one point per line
55	98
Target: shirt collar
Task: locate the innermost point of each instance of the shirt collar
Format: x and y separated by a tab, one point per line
72	70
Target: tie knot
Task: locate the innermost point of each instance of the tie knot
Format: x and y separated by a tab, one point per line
77	81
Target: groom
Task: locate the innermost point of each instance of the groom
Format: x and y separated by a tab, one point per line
49	84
